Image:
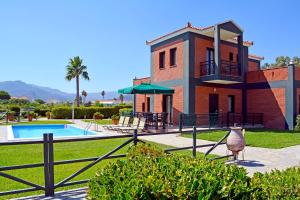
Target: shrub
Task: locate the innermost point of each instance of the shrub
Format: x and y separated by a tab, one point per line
150	174
16	109
297	127
277	184
98	115
41	112
65	112
125	111
115	117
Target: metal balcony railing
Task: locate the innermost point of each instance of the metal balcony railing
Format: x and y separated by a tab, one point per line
228	68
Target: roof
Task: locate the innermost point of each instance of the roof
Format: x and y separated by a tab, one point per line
190	28
255	57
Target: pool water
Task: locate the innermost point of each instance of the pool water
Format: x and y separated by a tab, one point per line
37	131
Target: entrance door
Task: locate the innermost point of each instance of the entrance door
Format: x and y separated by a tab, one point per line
213	109
167	107
148	104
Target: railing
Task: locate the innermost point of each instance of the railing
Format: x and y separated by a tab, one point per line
213	120
228	68
49	163
207	68
154	120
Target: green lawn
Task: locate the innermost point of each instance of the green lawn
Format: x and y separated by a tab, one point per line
39	122
26	154
101	122
258	137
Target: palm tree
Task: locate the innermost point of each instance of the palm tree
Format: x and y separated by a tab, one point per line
84	94
75	69
121	97
103	94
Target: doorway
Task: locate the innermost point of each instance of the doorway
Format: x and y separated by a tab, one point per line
167	107
213	109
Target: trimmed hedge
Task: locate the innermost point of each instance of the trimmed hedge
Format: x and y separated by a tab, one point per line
125	111
148	173
82	112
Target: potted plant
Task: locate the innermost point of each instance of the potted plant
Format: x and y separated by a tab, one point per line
115	119
11	115
98	115
48	115
30	116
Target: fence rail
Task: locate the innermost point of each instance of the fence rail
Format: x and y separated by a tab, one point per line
213	120
49	163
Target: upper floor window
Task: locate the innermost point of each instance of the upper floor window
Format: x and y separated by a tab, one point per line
231	56
173	56
162	56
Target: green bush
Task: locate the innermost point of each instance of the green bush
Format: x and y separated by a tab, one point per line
41	112
297	127
16	109
149	173
83	112
277	184
125	111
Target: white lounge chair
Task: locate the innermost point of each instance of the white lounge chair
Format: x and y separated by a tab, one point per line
125	124
140	126
120	123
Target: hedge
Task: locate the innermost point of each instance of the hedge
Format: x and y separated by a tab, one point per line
84	112
148	173
125	111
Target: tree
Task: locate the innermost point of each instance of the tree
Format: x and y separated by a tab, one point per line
296	60
103	94
4	95
282	61
84	94
76	69
121	97
40	101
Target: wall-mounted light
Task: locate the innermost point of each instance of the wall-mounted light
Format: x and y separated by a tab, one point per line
215	90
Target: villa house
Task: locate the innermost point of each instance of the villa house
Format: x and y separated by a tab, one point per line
211	71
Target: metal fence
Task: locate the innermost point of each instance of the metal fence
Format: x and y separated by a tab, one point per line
213	120
49	163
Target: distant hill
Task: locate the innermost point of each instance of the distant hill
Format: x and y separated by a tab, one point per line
31	91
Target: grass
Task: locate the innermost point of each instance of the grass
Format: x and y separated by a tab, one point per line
28	154
101	122
273	139
38	122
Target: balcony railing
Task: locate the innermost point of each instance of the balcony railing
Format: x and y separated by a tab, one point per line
228	68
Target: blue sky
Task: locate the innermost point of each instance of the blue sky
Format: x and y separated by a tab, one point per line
38	37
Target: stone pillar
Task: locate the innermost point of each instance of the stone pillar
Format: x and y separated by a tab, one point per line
217	50
290	98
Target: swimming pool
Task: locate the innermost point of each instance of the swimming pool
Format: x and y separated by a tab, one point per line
37	131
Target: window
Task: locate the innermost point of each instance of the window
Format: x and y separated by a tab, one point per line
173	56
230	56
231	103
162	56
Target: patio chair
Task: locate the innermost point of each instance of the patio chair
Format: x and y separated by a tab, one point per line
120	123
125	124
134	125
139	127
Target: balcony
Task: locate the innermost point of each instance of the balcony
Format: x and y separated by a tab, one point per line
229	72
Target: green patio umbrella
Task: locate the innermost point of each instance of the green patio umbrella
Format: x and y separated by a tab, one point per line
146	88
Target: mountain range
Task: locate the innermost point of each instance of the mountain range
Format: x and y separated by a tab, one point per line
20	89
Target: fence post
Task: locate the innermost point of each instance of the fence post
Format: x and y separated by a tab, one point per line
180	122
135	136
156	121
46	164
194	141
51	165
